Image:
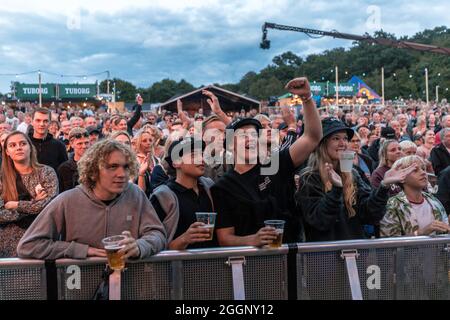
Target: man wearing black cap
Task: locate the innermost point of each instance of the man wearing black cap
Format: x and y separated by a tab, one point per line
94	134
249	194
177	201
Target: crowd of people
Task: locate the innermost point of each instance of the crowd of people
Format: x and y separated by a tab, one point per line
69	178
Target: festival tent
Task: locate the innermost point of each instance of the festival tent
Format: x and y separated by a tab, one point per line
364	91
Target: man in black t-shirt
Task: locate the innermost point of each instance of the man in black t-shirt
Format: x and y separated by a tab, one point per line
251	193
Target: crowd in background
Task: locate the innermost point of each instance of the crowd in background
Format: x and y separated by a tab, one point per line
70	177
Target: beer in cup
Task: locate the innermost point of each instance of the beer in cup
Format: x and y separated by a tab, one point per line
112	247
209	219
346	161
279	228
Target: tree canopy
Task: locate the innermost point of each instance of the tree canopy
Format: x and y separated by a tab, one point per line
403	69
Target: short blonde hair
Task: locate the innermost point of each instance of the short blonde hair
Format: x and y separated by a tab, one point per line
407	144
407	161
261	117
95	157
115	134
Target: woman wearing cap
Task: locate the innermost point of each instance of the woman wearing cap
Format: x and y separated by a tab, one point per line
26	187
336	205
413	211
390	151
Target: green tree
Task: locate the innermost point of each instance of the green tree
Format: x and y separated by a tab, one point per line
125	91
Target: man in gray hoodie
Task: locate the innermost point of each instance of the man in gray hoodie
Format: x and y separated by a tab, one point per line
104	204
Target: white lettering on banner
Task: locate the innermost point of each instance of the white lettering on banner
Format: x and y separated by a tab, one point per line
77	91
74	281
316	88
34	90
344	88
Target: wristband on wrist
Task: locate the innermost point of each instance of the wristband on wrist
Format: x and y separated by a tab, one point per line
305	100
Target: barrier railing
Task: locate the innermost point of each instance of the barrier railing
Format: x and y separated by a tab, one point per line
394	268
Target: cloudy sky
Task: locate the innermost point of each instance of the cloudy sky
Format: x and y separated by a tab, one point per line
202	41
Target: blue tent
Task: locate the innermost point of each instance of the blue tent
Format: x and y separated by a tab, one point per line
364	90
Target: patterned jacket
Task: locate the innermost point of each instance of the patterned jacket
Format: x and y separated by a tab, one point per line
398	221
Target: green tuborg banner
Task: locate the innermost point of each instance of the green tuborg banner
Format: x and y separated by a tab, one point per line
329	89
26	91
77	91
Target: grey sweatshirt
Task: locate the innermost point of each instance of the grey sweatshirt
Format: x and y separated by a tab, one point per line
76	219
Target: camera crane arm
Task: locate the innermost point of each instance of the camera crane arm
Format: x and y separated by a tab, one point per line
265	44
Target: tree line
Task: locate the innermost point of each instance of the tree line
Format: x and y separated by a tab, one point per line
404	71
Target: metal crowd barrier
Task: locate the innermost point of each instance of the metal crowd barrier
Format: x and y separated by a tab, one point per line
378	269
22	280
213	274
415	268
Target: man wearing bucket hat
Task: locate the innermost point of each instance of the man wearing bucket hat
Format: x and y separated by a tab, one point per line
249	194
335	202
177	201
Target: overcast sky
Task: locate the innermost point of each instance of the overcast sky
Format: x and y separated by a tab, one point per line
201	41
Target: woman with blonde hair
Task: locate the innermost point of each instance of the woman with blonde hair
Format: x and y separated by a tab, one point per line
121	136
421	126
389	152
145	155
26	187
157	138
414	211
336	205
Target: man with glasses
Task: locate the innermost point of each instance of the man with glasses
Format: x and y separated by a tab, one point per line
104	204
68	171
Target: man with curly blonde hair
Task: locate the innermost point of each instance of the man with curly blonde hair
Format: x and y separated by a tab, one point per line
104	204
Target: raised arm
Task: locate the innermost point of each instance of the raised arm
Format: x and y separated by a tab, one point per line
306	144
215	107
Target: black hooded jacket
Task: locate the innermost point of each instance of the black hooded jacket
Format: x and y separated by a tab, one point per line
325	216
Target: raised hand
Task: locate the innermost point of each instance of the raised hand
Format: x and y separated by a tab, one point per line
288	117
144	165
139	100
334	178
213	101
398	176
299	87
181	113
